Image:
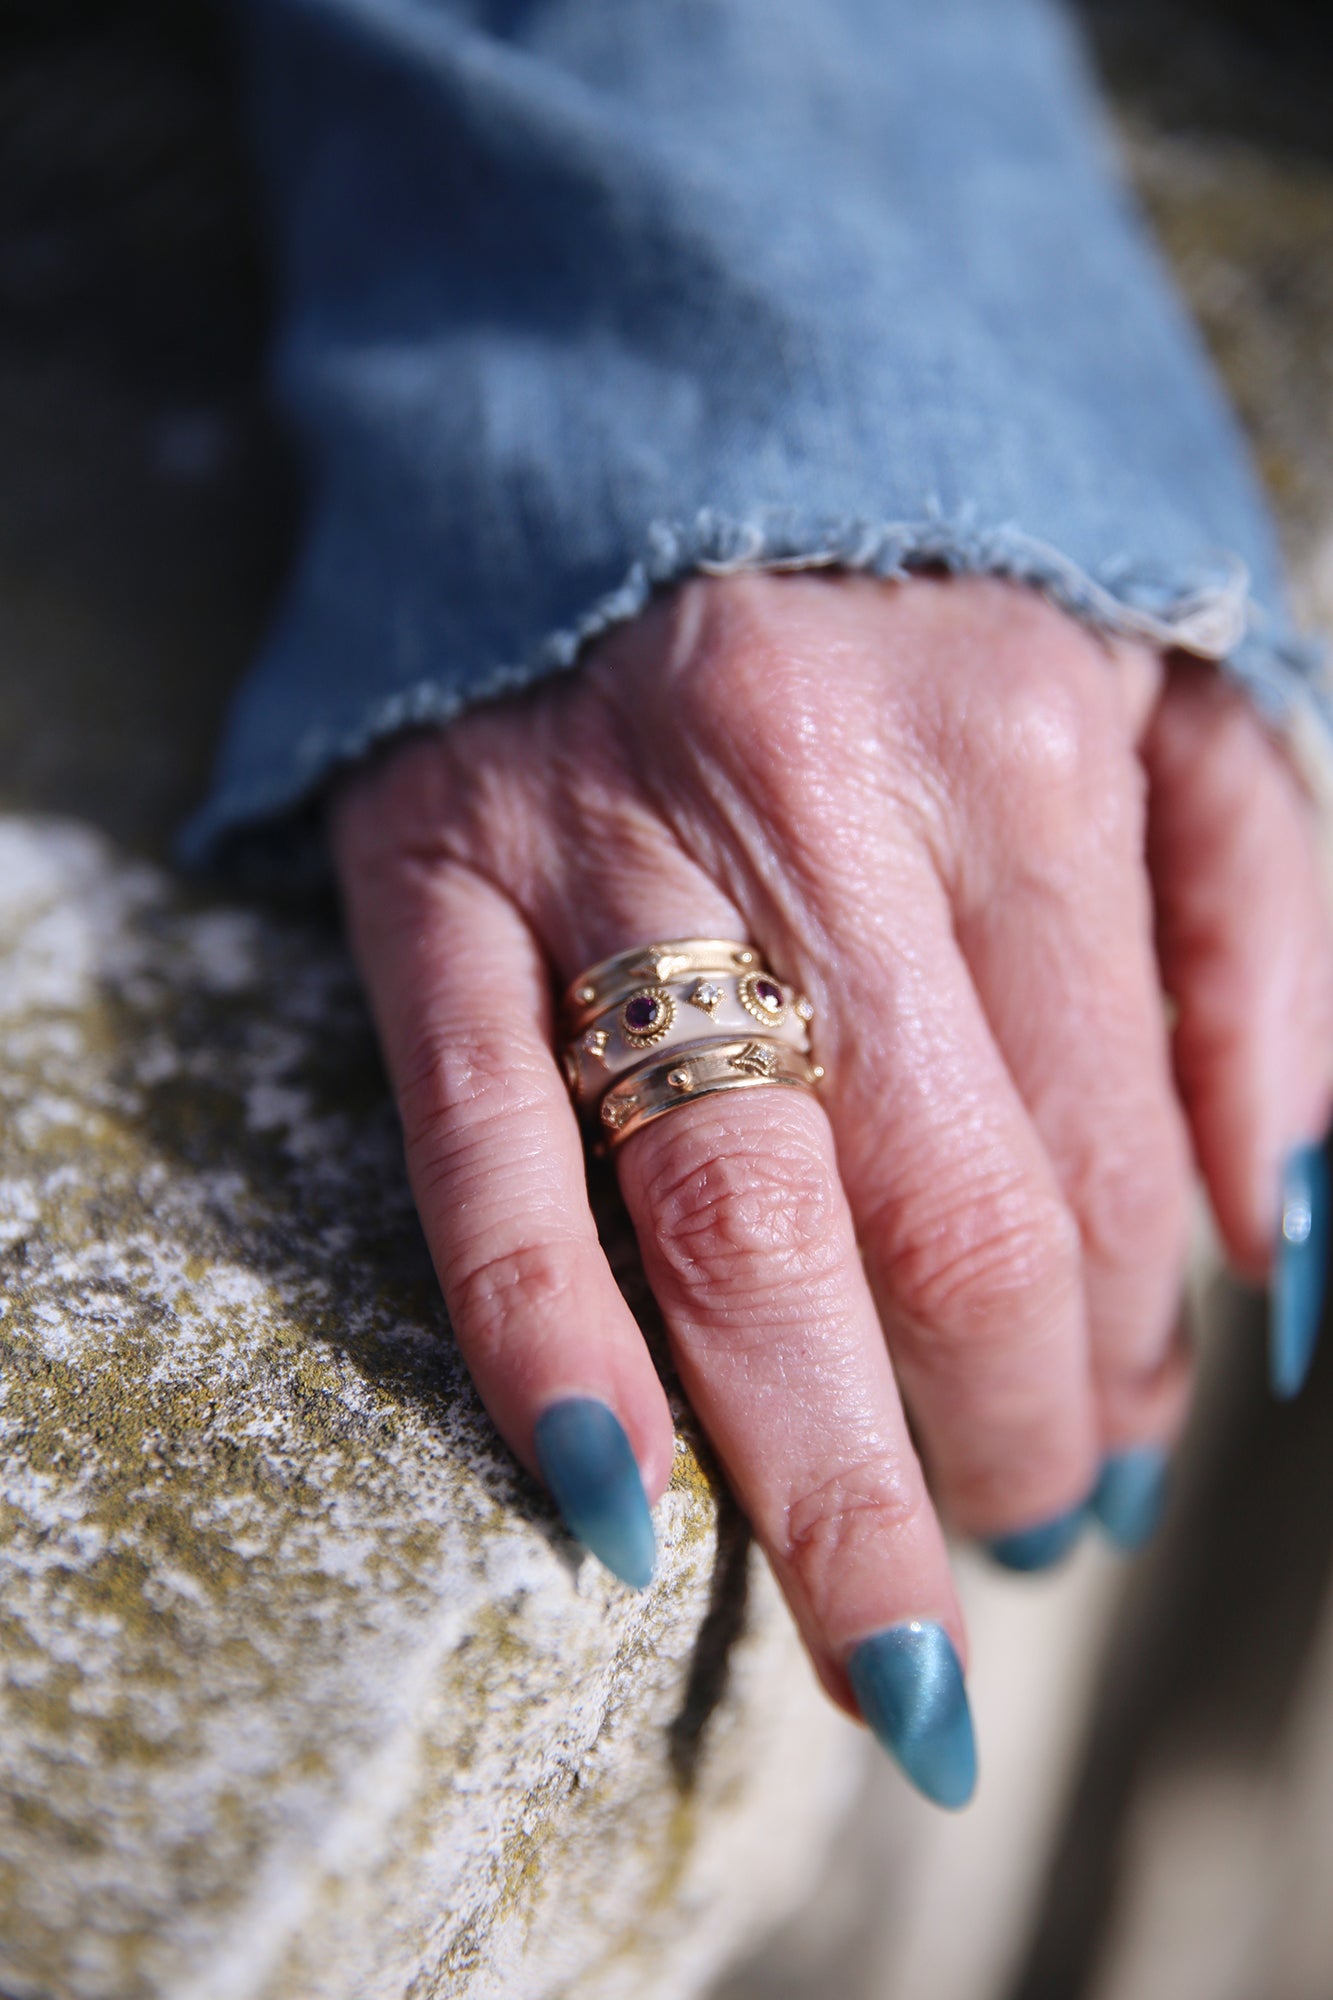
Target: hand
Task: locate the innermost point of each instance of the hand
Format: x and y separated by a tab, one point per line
958	822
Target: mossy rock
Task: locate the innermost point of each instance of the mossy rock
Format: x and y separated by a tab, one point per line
305	1691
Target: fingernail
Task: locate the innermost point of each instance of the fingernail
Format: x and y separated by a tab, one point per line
1039	1547
910	1689
1300	1269
590	1469
1130	1495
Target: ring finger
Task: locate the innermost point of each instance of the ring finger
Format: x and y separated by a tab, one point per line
748	1244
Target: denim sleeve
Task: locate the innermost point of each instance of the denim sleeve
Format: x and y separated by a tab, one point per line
579	297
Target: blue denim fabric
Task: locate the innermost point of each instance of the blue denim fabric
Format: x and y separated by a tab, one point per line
581	296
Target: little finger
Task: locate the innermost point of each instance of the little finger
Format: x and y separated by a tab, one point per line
1247	955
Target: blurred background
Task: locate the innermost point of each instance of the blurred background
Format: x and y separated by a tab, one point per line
1175	1750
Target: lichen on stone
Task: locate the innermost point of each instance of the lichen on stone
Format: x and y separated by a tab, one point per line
306	1692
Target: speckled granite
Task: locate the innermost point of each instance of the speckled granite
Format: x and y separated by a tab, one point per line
305	1692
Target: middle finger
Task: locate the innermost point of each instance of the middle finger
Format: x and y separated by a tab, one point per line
971	1248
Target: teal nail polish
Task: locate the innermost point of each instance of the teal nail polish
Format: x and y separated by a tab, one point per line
1300	1270
1039	1547
910	1689
1129	1497
587	1463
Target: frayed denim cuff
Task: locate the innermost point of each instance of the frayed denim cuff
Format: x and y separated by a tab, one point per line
574	305
1210	614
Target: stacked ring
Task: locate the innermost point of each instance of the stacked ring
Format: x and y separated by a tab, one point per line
656	998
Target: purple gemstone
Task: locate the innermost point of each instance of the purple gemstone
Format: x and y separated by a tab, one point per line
641	1012
768	994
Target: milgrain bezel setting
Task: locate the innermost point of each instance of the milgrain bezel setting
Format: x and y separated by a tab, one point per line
644	1033
750	988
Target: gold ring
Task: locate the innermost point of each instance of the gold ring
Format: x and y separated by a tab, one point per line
646	1093
709	1010
594	991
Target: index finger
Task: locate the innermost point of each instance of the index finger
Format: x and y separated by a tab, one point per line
460	996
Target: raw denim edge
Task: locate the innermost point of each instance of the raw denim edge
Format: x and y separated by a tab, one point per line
1215	619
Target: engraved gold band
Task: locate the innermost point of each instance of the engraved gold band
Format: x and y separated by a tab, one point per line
709	1009
645	1093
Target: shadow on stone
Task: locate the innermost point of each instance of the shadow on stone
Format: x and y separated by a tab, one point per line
722	1627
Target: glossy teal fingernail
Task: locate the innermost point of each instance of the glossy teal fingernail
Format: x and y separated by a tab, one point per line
1129	1497
587	1463
910	1689
1039	1547
1300	1270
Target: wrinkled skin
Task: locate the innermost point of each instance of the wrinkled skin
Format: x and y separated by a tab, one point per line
985	843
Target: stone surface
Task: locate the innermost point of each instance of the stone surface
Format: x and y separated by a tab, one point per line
305	1692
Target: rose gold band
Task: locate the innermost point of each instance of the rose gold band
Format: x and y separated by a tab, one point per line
709	1010
643	1094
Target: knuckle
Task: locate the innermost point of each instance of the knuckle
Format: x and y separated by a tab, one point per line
1040	731
870	1500
1134	1197
531	1278
1016	1440
1147	1404
1042	1469
1055	758
748	1222
754	685
468	1085
1007	1253
378	811
1030	715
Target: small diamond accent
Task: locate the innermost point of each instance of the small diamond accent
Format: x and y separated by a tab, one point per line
804	1009
754	1061
616	1111
745	957
586	995
595	1042
706	997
